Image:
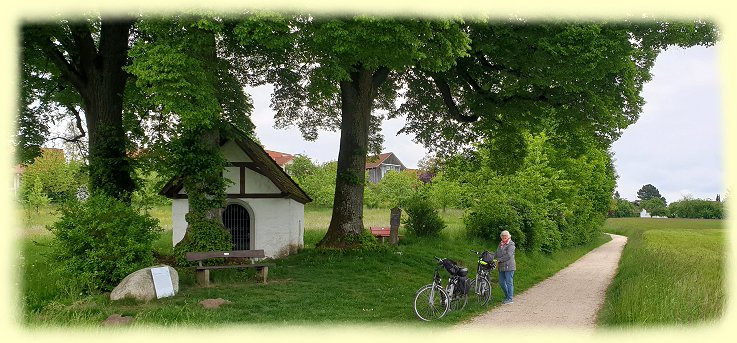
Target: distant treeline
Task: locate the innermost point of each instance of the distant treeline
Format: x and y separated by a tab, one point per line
684	208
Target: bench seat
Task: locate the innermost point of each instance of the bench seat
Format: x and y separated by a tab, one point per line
203	272
382	233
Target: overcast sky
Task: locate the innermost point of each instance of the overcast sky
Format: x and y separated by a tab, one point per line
676	145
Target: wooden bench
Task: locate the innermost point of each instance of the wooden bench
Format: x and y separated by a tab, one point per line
203	272
382	233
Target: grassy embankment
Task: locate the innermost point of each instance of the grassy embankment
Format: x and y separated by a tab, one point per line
671	273
311	287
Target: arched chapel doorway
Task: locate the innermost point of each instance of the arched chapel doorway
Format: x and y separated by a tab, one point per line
237	220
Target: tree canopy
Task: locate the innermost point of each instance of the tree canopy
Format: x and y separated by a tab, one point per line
583	80
462	85
334	72
133	83
459	83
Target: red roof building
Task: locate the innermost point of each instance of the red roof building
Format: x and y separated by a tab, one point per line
281	158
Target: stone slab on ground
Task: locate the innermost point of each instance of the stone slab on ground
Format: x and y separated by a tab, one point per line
116	319
214	303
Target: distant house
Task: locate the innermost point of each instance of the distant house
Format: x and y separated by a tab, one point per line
644	214
281	159
378	166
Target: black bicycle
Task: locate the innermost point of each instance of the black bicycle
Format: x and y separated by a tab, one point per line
433	301
481	284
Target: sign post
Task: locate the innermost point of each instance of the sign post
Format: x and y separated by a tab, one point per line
394	219
162	282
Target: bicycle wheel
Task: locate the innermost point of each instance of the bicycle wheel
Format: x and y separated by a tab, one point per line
482	290
431	302
458	300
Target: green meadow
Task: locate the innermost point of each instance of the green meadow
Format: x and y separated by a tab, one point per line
314	286
672	272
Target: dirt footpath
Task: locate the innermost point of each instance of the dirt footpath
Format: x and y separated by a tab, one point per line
569	299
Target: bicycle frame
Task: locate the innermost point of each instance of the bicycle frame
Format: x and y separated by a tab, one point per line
454	297
480	270
436	281
429	297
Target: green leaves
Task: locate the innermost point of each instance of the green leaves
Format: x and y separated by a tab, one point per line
648	192
393	189
550	201
102	240
307	56
581	78
57	178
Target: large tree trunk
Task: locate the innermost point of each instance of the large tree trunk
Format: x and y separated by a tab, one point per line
209	183
110	170
96	71
357	97
205	189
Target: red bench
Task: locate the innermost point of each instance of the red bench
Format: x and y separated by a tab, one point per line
381	233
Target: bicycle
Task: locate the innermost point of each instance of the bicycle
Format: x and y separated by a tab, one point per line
481	284
433	301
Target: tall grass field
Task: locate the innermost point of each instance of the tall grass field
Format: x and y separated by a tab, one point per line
671	273
313	286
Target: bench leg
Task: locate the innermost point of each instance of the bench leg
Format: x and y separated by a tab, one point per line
203	277
264	273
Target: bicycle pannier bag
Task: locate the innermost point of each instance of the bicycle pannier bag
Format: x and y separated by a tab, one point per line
450	266
464	284
488	258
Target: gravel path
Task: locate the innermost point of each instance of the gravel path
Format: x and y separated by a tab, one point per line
569	299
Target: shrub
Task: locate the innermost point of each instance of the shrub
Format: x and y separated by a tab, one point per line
696	208
35	197
623	209
147	195
491	216
59	178
102	240
422	218
202	235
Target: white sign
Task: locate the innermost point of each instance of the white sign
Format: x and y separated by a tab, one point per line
162	282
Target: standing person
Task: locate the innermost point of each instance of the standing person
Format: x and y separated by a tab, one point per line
505	257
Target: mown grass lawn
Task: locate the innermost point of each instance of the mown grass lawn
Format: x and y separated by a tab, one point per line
311	287
672	272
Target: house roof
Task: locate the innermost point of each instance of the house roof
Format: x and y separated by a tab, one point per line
279	157
262	164
375	161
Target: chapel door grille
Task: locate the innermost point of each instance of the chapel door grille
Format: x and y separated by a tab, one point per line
237	221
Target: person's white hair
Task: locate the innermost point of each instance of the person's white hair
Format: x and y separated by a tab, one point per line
505	233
